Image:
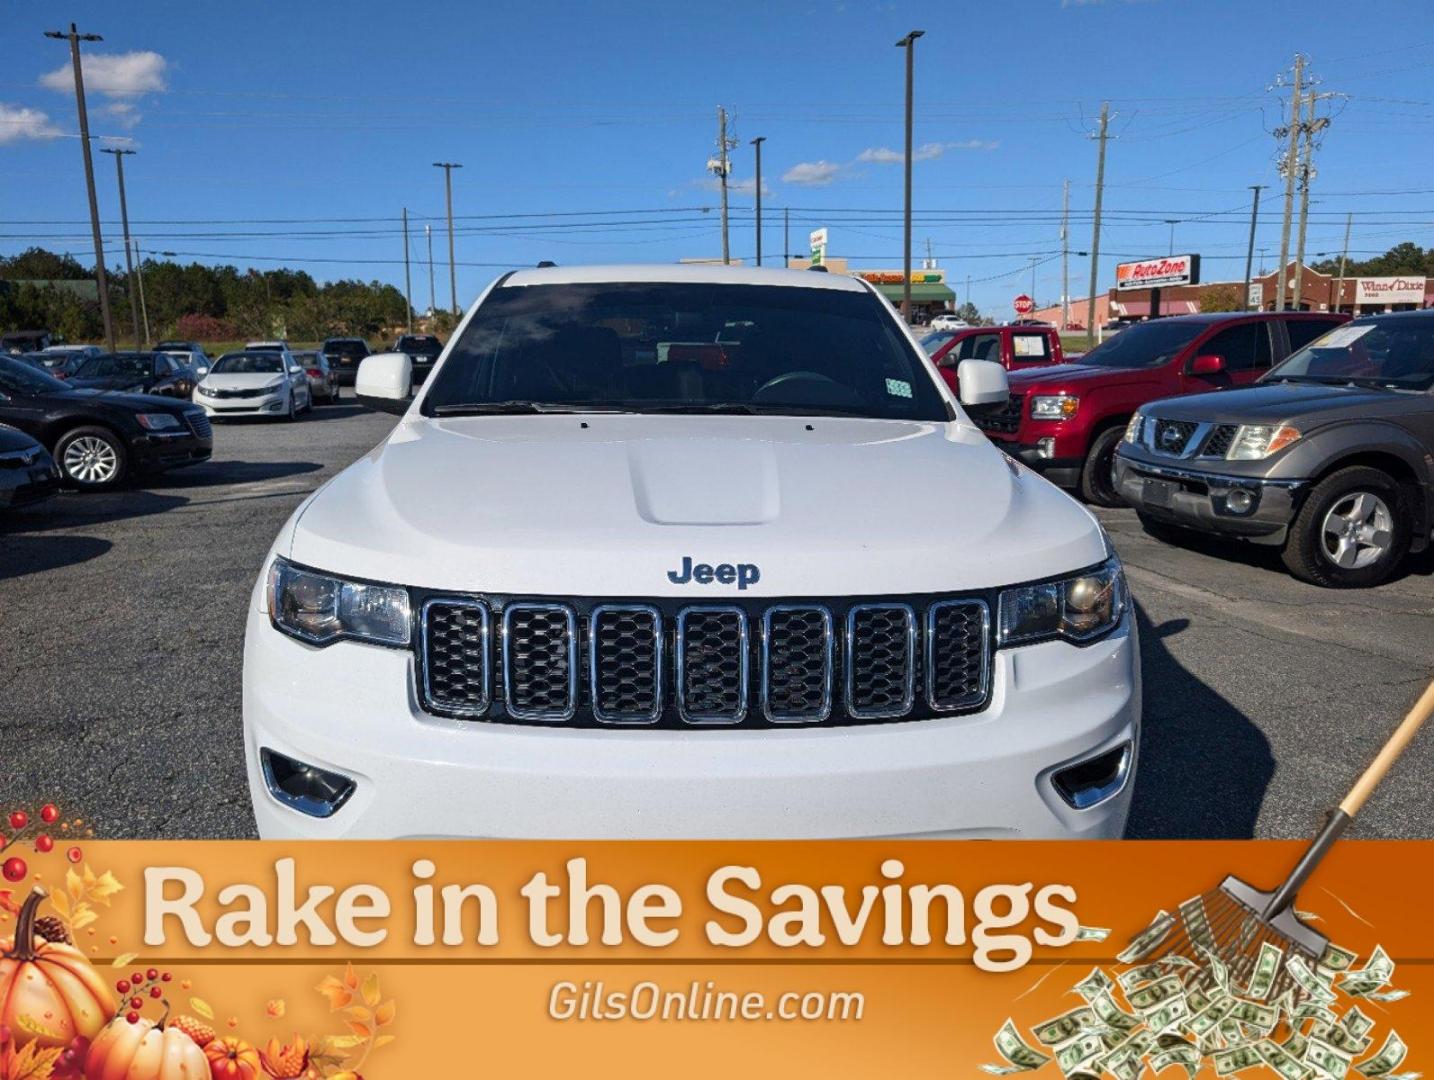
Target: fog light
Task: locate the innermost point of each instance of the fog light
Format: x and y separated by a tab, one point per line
306	788
1094	780
1046	447
1239	501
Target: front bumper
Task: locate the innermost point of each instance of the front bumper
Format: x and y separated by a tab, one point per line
352	709
26	485
1201	500
275	404
1061	471
157	452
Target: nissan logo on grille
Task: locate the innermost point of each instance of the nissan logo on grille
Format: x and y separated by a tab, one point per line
1171	437
740	574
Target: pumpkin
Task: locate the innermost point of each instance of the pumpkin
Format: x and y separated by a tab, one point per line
144	1050
49	993
232	1059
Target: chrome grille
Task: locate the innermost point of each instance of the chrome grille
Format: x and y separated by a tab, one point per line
540	661
880	660
625	663
713	660
591	663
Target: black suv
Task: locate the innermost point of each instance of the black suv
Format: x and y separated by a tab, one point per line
423	350
1330	457
344	355
100	439
137	373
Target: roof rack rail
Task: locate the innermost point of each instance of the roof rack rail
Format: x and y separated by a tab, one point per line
543	264
819	269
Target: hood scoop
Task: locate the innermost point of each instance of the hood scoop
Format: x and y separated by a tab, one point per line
695	481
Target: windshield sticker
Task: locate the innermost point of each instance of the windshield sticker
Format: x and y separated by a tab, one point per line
1341	338
898	388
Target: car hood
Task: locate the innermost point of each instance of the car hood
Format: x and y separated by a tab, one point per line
1061	376
243	380
607	505
1275	402
12	439
128	402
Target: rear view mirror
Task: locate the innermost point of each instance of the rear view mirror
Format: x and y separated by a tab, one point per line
983	383
384	381
1207	364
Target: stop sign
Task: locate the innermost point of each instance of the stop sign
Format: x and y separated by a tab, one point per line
1023	304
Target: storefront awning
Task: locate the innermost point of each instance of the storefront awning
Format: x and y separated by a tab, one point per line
1136	309
924	293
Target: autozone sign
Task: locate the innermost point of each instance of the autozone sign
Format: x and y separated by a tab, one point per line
1389	290
1155	273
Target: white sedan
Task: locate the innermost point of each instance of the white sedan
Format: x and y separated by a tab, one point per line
254	383
948	322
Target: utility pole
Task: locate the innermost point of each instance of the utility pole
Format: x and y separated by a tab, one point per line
1172	222
74	37
909	44
1307	174
786	237
128	262
1066	255
1291	162
757	142
139	280
1250	250
1095	227
1343	256
721	165
448	167
1034	261
407	284
432	294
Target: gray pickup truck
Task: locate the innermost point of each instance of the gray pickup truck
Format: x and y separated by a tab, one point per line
1330	457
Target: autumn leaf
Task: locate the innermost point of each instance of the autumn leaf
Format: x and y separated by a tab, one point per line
33	1063
337	993
84	915
363	1031
351	979
102	888
276	1008
7	902
335	1043
202	1007
383	1040
371	993
384	1014
61	903
74	885
359	1013
123	960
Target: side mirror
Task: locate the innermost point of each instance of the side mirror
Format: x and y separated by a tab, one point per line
1207	364
384	381
983	383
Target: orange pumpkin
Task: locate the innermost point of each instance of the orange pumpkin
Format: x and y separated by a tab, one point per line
49	993
232	1059
144	1051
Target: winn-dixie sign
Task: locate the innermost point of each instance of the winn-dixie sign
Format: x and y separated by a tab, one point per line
1154	273
1389	290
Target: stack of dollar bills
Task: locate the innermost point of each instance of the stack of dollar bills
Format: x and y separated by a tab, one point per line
1193	1012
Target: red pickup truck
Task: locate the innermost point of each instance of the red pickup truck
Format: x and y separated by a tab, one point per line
1014	347
1065	421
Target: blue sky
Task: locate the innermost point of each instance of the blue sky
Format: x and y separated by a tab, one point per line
294	133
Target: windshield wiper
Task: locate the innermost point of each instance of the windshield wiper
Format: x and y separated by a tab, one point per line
735	407
518	408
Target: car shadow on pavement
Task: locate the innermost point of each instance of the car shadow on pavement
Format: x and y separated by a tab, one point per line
1204	765
214	473
1265	557
72	510
21	555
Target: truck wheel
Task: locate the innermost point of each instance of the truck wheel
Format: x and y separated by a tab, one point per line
1097	475
1351	533
92	458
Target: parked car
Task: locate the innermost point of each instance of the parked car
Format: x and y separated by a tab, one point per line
344	356
100	440
1066	421
22	341
595	517
83	352
323	383
1013	347
136	373
189	353
61	365
948	322
423	350
28	473
255	382
1330	458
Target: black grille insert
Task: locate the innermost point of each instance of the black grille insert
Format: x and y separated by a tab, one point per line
957	653
540	661
1006	420
1220	440
625	658
199	424
1172	436
713	660
797	664
455	645
880	660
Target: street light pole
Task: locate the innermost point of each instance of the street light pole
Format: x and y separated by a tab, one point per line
448	167
908	43
757	142
1250	249
1172	222
74	37
432	293
407	280
120	155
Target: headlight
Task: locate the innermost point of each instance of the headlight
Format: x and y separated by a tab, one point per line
1134	429
157	421
208	391
276	384
1077	608
1256	441
321	609
1054	407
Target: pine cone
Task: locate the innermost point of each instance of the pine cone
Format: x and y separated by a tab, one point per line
52	929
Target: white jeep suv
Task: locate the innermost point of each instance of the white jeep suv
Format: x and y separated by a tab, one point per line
665	551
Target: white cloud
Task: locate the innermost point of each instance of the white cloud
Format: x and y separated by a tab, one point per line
122	113
883	155
812	173
113	74
746	187
18	122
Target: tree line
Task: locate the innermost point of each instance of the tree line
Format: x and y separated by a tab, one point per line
195	302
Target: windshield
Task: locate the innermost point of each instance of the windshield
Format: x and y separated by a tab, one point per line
252	363
22	380
1394	353
933	341
109	367
1148	344
653	347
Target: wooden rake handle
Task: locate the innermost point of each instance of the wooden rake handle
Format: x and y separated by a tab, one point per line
1384	761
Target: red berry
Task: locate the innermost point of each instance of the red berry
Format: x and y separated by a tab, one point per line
136	1003
137	978
74	854
14	869
19	819
152	974
165	977
49	813
43	844
132	1017
122	986
155	991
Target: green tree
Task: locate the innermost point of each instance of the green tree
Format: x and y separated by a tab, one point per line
1222	298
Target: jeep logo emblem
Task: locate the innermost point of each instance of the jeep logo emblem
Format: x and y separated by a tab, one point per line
740	574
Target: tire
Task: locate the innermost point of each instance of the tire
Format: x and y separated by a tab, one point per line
1097	482
1352	531
92	458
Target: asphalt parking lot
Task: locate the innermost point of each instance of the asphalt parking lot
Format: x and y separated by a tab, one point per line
124	616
